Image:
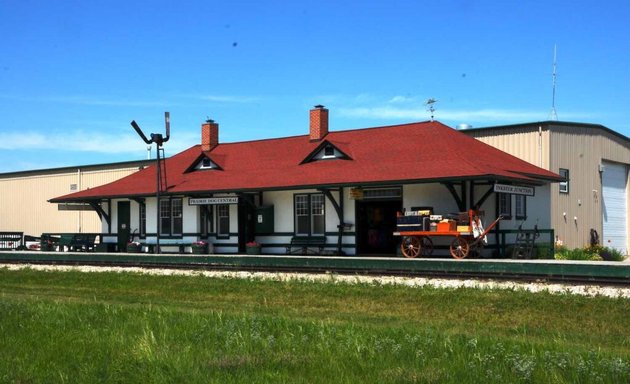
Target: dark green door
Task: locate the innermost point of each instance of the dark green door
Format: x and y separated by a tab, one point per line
123	225
246	221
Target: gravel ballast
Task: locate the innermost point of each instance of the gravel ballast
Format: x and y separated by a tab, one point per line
554	288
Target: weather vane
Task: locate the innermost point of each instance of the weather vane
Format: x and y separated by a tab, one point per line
429	103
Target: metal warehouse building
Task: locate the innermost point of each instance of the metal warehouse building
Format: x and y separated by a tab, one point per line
594	159
24	197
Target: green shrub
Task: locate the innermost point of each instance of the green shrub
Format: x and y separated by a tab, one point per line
591	253
605	253
614	255
543	251
561	252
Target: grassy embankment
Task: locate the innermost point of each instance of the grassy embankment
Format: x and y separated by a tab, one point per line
106	327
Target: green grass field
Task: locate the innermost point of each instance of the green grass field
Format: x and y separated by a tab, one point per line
59	327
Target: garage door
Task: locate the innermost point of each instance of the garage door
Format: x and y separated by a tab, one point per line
615	206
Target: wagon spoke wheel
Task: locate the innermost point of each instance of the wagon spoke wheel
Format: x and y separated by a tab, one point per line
411	246
427	246
459	248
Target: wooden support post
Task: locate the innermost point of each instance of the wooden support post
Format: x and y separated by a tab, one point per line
339	209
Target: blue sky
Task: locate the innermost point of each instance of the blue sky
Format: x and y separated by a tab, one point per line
73	74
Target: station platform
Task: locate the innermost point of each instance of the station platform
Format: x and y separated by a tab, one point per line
619	271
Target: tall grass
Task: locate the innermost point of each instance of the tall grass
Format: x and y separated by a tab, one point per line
72	327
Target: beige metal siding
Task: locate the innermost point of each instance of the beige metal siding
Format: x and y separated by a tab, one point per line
24	205
531	145
581	150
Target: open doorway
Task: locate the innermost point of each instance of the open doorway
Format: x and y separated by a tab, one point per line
376	223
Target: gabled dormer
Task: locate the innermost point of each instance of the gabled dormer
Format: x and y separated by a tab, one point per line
203	163
326	151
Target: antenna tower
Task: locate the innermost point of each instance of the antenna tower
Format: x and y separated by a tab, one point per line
554	115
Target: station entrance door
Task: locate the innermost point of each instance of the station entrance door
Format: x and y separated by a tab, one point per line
376	223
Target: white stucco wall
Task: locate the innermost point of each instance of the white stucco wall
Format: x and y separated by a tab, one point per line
432	195
283	201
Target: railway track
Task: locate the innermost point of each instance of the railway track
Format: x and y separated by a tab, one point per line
621	281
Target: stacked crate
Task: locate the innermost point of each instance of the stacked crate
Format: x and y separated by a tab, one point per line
413	221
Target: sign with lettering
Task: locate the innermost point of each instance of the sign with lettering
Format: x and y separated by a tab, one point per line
356	193
74	207
514	189
213	200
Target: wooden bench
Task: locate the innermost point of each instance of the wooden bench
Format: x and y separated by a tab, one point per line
31	243
48	242
305	245
181	245
76	241
11	240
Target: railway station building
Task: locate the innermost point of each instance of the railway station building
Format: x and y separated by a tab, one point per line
346	187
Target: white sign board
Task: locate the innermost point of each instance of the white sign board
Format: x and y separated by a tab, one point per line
514	189
213	200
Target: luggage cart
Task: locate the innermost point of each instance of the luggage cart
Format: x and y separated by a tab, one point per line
416	243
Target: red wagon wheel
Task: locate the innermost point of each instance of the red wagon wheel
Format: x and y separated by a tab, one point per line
459	248
427	246
411	246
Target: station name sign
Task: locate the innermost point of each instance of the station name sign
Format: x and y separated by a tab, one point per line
74	207
213	200
514	189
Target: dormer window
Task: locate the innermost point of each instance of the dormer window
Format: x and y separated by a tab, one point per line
329	152
326	151
205	163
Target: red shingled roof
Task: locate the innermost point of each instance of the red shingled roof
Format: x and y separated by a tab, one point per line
417	152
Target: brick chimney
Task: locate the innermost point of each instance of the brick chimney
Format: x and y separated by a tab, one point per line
209	135
319	123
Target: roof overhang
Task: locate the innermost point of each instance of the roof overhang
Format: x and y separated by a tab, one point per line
525	180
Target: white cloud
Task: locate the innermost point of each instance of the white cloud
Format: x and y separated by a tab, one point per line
343	99
81	141
89	100
108	102
124	102
383	113
229	99
400	99
473	115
